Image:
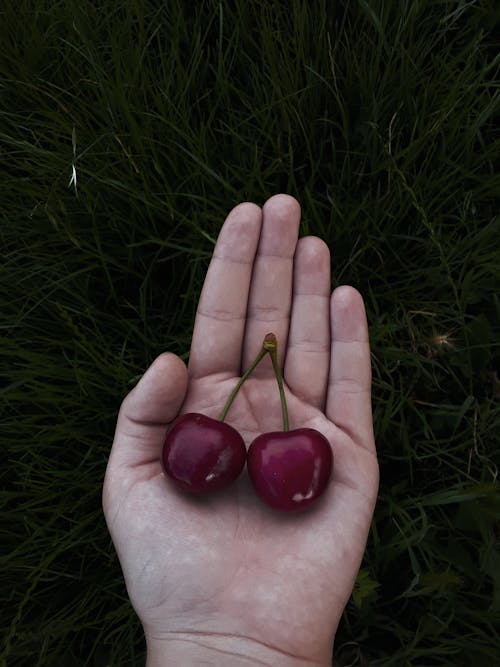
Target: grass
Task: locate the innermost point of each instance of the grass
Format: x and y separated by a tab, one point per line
381	117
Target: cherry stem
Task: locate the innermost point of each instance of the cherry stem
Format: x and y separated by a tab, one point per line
245	375
271	345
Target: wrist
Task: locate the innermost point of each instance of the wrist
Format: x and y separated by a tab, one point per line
193	649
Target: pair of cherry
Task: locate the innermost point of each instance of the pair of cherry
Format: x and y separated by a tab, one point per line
289	470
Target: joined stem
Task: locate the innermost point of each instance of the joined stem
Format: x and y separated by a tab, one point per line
269	346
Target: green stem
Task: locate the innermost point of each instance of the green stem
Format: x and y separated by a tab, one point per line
245	375
271	345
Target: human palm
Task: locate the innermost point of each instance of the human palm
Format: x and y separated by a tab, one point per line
226	567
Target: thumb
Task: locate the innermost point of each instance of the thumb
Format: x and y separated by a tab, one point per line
146	411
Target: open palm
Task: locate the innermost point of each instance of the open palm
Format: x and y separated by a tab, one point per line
226	570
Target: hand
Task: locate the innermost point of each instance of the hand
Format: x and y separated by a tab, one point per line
224	579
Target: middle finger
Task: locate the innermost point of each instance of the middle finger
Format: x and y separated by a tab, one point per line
270	296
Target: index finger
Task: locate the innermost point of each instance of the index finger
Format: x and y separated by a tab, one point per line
220	318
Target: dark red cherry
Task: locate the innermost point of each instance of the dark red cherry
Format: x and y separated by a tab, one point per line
290	469
201	454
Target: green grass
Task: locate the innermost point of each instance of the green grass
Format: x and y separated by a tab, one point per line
381	117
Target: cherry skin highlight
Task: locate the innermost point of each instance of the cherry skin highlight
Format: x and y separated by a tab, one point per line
201	454
290	469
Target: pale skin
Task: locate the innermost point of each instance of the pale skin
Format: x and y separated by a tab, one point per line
225	580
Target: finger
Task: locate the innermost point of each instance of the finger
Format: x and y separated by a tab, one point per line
271	289
349	386
146	411
220	319
308	353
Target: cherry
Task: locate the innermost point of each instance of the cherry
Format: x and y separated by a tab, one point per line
202	454
290	469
